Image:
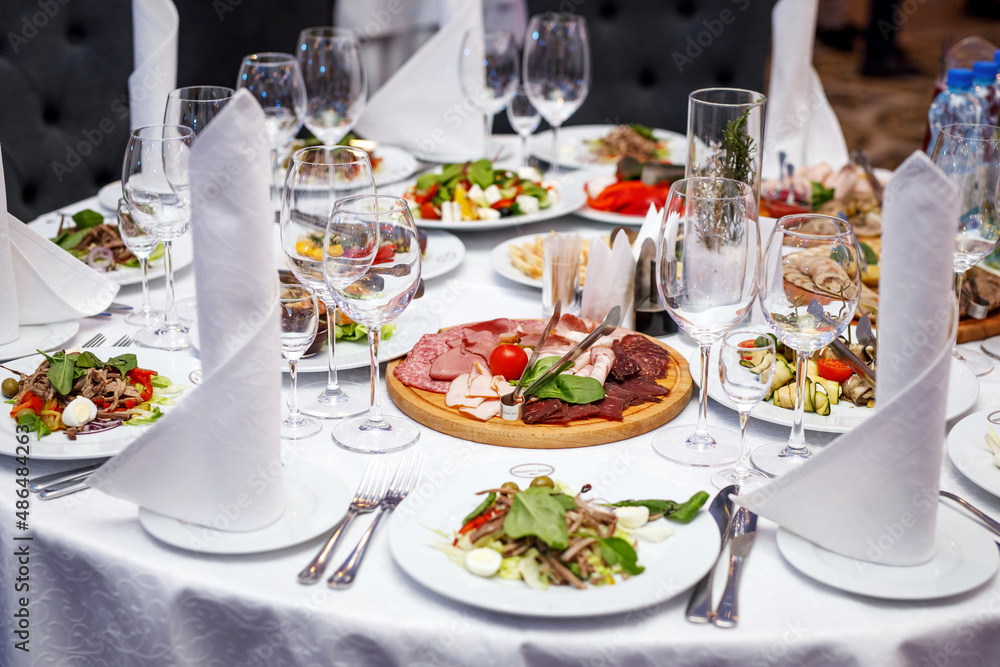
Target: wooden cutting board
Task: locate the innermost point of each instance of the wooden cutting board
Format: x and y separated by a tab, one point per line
428	408
973	329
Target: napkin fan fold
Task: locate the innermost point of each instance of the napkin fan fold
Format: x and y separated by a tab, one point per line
154	48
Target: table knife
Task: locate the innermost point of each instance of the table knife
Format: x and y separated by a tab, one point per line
699	609
741	536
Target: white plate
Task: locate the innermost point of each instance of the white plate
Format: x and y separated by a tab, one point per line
672	566
500	260
313	498
965	559
34	337
183	252
176	366
396	164
444	253
109	195
574	152
968	450
963	390
610	218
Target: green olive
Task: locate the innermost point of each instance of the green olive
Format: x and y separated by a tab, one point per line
9	387
543	481
511	486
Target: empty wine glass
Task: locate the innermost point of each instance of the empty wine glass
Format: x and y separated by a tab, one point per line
299	323
556	69
142	245
524	118
746	366
487	66
373	297
707	258
157	186
317	177
810	283
333	69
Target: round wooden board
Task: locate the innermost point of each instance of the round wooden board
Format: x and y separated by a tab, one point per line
428	408
970	329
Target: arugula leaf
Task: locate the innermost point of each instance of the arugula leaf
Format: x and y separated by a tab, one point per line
87	218
616	551
142	421
572	389
62	371
680	512
482	507
33	423
124	362
820	195
538	514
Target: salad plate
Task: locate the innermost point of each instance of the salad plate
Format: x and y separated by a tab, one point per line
574	150
109	195
671	566
969	452
34	337
395	164
965	558
176	366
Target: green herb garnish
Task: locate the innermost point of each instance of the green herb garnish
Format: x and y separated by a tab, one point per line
739	149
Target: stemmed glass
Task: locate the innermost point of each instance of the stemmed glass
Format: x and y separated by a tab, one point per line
487	67
317	177
157	187
556	69
746	366
299	323
333	70
373	297
524	118
142	245
707	259
970	156
810	283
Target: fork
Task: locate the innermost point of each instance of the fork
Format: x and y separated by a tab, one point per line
124	341
989	521
366	499
95	341
405	480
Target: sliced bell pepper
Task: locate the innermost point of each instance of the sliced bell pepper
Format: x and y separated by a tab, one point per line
30	401
428	212
142	379
629	198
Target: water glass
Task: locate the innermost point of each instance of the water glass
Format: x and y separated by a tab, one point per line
299	323
488	65
142	245
333	70
196	106
524	118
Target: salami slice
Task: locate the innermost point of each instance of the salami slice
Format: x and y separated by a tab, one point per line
415	371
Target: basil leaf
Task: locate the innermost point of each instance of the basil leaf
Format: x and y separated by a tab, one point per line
820	195
572	389
616	551
537	514
482	507
33	423
542	365
61	373
88	359
87	218
71	240
481	173
124	362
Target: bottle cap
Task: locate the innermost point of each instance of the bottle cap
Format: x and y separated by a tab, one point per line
996	57
959	77
984	70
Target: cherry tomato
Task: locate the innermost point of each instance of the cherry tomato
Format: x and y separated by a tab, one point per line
834	370
748	343
508	361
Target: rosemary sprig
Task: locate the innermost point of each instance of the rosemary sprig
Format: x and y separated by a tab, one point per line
739	148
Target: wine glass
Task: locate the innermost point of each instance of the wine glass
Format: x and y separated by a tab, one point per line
707	259
299	323
810	283
142	245
157	186
333	70
373	297
556	69
317	177
487	67
524	118
746	366
970	156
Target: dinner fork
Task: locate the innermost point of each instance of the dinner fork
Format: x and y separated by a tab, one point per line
989	521
405	480
124	341
366	499
95	341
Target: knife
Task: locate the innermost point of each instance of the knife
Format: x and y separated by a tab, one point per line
508	402
741	537
699	609
610	323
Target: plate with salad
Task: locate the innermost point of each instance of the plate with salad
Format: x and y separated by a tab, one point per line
558	539
589	145
92	403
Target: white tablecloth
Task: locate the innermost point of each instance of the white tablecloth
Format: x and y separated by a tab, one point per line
103	592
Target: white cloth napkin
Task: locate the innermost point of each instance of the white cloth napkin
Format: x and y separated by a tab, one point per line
154	49
215	459
421	107
614	270
8	292
800	120
871	494
650	228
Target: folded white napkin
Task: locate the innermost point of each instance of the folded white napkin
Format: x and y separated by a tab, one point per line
871	494
220	447
422	107
650	228
8	293
154	49
800	120
610	280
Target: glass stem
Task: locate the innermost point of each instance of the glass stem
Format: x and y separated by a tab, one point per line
293	407
275	189
701	431
555	151
147	307
797	439
487	134
524	150
332	384
375	412
742	466
171	321
959	281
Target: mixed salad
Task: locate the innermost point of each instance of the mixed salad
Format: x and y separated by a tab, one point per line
98	244
548	535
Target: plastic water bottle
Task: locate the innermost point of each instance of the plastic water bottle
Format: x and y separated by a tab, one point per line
984	86
956	104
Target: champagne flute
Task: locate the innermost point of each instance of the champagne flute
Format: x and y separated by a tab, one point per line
142	245
299	323
374	296
556	69
707	259
810	283
157	187
333	70
746	366
487	66
317	177
524	118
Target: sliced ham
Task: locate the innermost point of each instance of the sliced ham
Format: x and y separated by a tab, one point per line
480	343
484	411
602	359
583	371
501	386
453	363
570	322
458	394
481	384
497	327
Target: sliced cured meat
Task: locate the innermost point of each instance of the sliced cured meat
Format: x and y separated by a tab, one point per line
484	411
570	322
586	411
415	370
480	343
481	384
501	386
624	366
645	388
626	396
452	363
560	416
602	358
496	327
653	360
536	411
610	408
525	327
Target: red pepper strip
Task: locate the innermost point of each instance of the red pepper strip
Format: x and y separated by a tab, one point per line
385	254
479	520
427	196
30	401
629	198
428	212
143	381
503	203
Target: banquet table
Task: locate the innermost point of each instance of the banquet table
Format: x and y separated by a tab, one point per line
104	592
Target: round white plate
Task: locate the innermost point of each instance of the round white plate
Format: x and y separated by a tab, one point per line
610	218
965	559
968	450
176	366
313	497
574	152
444	253
672	566
500	260
963	390
109	195
34	337
396	164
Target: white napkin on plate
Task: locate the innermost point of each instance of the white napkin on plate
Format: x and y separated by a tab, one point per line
154	49
422	107
800	120
8	293
871	494
614	269
215	459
